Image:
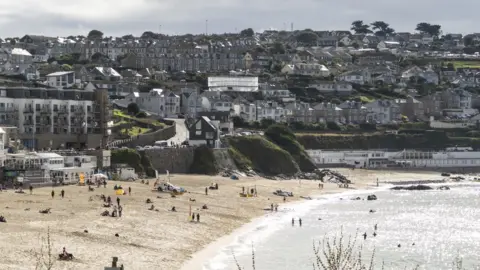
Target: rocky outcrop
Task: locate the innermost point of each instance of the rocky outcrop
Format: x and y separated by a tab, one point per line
416	187
371	198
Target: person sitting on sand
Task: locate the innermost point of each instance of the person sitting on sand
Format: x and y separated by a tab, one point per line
65	253
174	209
204	207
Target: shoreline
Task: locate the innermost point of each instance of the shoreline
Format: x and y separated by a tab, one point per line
159	239
208	252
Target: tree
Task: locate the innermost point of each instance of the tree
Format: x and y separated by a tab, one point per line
126	37
277	48
97	56
149	35
382	29
430	29
307	37
95	34
468	41
360	28
247	32
133	108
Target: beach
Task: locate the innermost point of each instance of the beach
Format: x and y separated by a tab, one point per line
149	239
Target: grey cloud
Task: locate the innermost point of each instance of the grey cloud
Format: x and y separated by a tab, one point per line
225	16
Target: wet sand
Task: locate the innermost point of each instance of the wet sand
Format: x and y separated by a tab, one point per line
147	239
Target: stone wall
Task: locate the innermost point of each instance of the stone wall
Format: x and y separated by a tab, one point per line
175	160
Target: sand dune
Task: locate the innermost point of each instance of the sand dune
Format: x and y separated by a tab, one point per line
148	239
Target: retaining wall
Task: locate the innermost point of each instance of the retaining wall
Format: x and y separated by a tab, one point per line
175	160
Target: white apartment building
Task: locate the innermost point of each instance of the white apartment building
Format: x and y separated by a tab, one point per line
51	118
61	79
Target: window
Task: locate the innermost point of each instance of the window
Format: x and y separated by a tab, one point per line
72	108
37	107
209	135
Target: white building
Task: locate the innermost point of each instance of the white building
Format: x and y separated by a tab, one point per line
157	101
327	87
406	158
32	168
238	84
61	79
306	69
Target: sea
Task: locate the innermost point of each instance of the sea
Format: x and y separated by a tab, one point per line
426	229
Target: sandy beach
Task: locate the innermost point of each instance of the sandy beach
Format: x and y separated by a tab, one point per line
148	239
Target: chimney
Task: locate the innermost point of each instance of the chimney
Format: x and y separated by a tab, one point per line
114	261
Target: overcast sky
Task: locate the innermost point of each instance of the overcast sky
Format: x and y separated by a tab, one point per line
121	17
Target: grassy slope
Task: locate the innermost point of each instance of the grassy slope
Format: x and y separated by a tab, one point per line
263	155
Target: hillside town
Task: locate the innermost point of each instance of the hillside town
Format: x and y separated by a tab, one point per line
62	92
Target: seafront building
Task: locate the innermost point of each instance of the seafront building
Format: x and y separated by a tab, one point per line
56	118
449	158
46	168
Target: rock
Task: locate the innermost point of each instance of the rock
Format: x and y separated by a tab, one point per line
415	187
356	199
371	197
444	188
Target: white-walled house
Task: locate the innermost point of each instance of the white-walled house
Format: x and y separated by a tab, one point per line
358	76
382	111
61	79
157	101
330	87
306	69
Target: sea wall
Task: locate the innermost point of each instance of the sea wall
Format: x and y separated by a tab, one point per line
175	160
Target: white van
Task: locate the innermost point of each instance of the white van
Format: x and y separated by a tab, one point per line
161	143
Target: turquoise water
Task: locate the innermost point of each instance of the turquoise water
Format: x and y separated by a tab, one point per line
433	228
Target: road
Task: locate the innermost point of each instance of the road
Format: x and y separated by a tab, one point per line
181	129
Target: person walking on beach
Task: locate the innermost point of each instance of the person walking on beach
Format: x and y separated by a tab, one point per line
284	198
365	236
206	190
62	193
129	190
120	209
109	200
53	194
375	227
118	201
300	222
293	222
198	217
271	207
193	216
104	183
31	189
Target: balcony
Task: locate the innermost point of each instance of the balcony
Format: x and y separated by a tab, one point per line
46	111
28	110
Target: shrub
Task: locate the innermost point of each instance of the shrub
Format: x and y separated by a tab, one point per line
240	160
133	108
284	137
141	115
203	161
